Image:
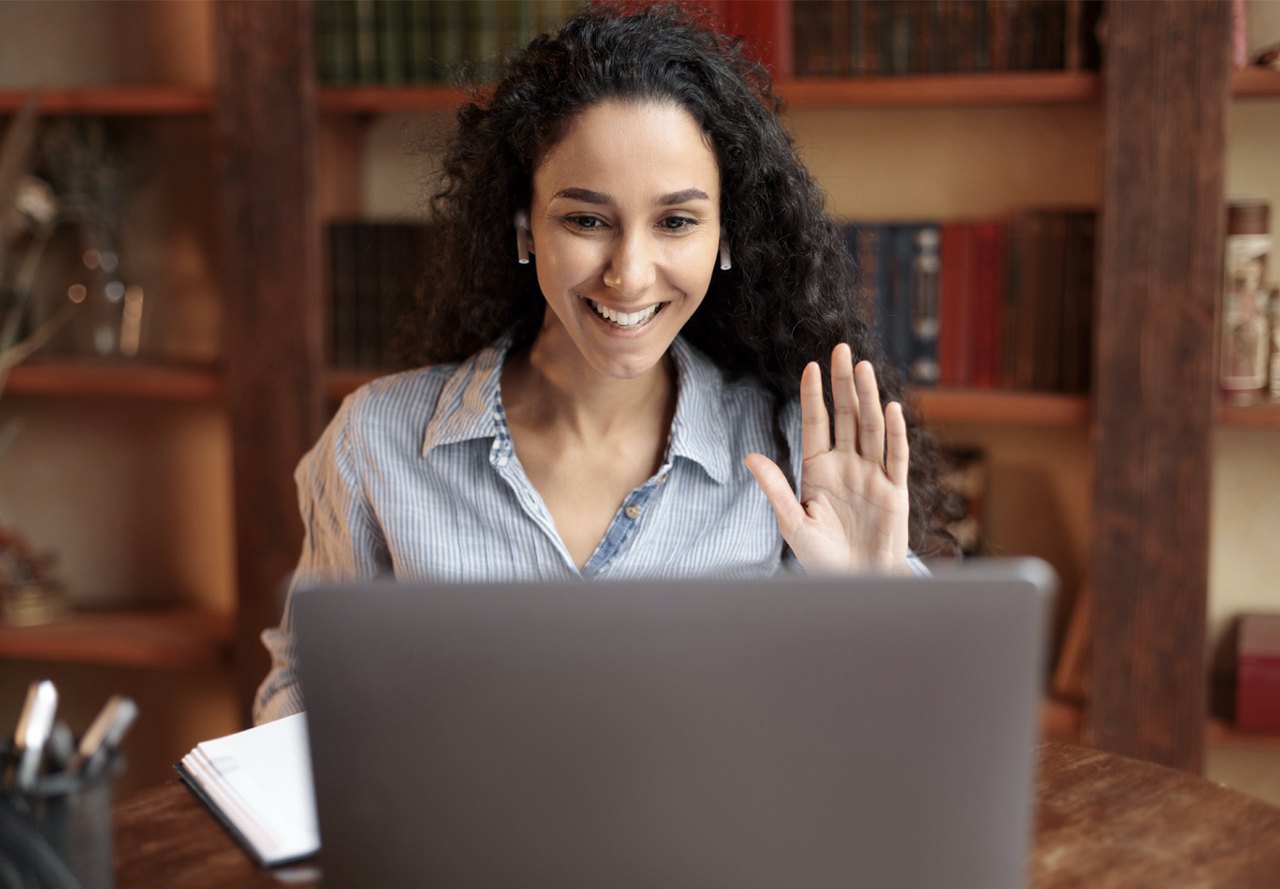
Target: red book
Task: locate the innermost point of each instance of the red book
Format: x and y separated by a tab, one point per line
956	305
1258	673
988	296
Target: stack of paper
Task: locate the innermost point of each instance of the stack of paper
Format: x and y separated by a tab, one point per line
258	782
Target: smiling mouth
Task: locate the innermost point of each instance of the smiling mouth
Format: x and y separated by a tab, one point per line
625	320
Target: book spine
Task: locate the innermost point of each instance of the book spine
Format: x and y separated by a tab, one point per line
418	63
448	39
340	45
482	40
1050	297
956	322
902	254
366	41
924	305
897	37
988	298
368	293
343	276
325	30
841	52
392	66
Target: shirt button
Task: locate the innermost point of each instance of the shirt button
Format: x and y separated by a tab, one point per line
633	512
662	479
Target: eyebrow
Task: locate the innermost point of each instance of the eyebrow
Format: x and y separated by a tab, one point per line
588	196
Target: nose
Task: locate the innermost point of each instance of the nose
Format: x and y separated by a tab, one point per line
631	269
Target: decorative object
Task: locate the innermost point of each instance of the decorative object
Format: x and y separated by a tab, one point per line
29	591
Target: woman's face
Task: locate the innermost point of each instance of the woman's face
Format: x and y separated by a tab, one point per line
625	224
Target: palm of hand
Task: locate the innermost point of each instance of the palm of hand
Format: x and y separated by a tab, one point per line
853	509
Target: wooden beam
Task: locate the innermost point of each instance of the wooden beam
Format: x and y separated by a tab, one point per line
1166	95
265	124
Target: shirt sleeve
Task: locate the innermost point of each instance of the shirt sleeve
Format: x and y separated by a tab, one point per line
342	541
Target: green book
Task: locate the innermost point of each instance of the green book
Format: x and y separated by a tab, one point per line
418	63
366	41
336	41
482	40
448	38
390	17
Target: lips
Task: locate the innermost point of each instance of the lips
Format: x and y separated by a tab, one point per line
625	320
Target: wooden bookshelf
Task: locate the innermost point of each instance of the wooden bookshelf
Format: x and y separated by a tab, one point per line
386	99
113	101
1005	88
1249	416
171	639
1255	83
1219	733
996	88
1000	407
338	384
108	379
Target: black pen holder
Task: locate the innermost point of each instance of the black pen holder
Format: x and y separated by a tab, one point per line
57	833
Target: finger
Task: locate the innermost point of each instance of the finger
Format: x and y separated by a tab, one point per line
898	454
815	427
778	492
844	398
870	416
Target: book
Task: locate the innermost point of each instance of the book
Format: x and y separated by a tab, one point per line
258	784
957	334
923	368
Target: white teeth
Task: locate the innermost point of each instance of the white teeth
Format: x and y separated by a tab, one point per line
625	319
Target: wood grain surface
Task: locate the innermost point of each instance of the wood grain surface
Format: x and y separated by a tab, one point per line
1155	383
1102	821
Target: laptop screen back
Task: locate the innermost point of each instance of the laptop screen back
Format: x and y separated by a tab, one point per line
799	732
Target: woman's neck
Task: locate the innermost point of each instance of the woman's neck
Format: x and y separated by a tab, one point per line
555	391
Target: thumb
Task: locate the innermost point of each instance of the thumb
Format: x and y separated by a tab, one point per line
778	491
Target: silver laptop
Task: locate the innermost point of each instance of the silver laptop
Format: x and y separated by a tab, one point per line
799	732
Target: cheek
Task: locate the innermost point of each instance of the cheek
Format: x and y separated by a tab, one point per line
563	263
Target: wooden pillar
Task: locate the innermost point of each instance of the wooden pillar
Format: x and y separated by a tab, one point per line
1166	94
265	129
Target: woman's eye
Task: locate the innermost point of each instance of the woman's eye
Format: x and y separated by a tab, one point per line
678	223
585	223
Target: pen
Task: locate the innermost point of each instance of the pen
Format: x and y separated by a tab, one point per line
34	726
104	735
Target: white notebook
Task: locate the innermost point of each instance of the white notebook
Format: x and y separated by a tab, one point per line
258	783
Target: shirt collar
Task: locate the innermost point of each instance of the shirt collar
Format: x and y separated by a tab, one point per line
469	406
700	427
468	403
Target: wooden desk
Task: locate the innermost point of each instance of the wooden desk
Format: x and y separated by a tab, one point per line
1101	821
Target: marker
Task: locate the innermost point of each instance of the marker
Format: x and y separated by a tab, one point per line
34	726
104	735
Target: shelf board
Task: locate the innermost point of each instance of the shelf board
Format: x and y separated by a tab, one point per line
993	88
1252	416
1005	88
1253	83
387	99
1219	733
173	639
996	406
86	377
114	101
340	383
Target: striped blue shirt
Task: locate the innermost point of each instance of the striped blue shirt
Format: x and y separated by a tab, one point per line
416	477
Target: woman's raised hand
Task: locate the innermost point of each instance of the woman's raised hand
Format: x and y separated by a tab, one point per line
853	506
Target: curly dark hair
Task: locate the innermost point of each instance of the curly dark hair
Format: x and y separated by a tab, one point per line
790	296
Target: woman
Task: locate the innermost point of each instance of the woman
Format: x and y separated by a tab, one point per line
636	275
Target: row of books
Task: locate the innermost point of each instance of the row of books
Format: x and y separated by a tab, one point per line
397	42
845	38
374	271
994	303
